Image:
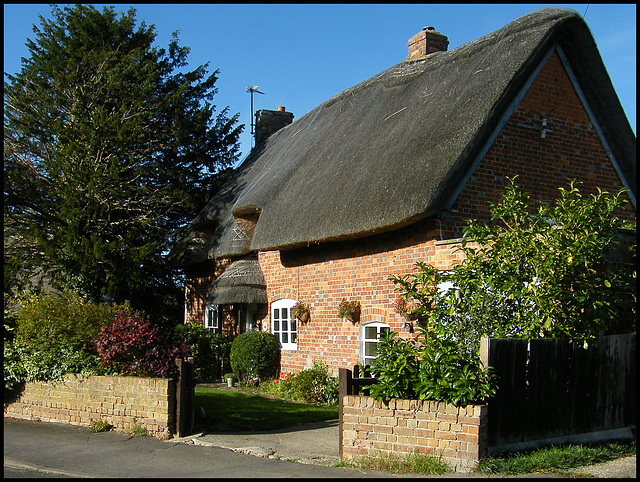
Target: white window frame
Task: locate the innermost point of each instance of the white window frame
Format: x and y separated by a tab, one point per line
282	325
379	326
212	318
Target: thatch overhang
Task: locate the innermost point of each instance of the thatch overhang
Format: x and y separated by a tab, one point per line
242	282
399	146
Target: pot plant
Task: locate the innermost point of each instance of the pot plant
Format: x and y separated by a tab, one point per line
301	311
349	310
230	377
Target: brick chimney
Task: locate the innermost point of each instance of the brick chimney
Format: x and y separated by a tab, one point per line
427	42
270	121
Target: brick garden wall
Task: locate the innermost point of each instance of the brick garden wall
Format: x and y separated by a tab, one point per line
117	400
458	434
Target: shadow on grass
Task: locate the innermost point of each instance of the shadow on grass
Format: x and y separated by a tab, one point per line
231	410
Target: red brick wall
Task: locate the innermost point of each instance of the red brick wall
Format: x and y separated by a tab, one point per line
360	269
571	150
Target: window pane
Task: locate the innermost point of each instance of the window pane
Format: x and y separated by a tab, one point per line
370	349
284	313
293	325
371	333
294	338
276	325
276	313
285	337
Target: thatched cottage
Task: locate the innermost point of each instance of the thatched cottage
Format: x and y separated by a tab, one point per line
385	174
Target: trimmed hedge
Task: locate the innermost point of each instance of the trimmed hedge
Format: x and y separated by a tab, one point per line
255	355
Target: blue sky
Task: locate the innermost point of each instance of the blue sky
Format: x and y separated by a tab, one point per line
301	55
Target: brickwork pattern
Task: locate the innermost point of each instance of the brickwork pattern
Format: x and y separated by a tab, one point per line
371	427
118	400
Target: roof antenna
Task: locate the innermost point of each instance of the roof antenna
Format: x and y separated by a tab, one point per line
251	89
585	12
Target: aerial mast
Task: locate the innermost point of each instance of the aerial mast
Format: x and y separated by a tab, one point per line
251	89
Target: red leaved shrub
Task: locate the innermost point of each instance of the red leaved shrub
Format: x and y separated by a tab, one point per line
131	345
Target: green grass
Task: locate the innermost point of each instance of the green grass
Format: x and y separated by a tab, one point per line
554	459
401	464
231	410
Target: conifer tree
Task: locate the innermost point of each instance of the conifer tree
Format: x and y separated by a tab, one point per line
111	145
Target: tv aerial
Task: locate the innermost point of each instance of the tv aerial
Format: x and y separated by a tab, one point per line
253	89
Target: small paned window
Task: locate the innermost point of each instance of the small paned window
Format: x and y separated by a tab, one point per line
369	338
212	318
283	326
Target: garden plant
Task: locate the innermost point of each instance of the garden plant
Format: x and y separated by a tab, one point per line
255	356
535	270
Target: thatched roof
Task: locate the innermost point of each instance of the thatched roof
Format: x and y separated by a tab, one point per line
400	146
242	282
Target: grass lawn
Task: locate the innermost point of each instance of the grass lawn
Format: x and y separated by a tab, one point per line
231	410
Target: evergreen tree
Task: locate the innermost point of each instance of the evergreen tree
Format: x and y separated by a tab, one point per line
111	145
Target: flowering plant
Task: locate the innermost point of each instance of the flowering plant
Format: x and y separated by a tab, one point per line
409	309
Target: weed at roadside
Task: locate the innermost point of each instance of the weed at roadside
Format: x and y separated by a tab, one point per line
97	426
401	464
138	429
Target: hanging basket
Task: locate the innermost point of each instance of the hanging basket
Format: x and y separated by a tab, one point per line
349	310
301	311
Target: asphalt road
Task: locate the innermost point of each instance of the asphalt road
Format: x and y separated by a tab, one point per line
41	449
69	451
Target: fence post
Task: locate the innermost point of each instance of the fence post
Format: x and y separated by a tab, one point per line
484	351
344	382
185	394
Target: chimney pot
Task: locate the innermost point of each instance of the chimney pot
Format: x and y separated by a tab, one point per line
427	42
268	122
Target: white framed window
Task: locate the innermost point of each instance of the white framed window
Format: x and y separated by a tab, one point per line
283	325
212	318
369	337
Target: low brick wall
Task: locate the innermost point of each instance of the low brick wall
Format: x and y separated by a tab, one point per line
458	434
117	400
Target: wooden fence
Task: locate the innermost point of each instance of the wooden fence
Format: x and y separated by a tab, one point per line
550	388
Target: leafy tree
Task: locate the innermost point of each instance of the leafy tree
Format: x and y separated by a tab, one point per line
530	274
111	145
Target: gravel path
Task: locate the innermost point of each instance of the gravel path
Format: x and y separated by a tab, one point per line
624	467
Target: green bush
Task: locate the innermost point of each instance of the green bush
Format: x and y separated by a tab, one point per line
255	355
62	320
52	335
316	385
430	368
395	368
210	351
313	385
